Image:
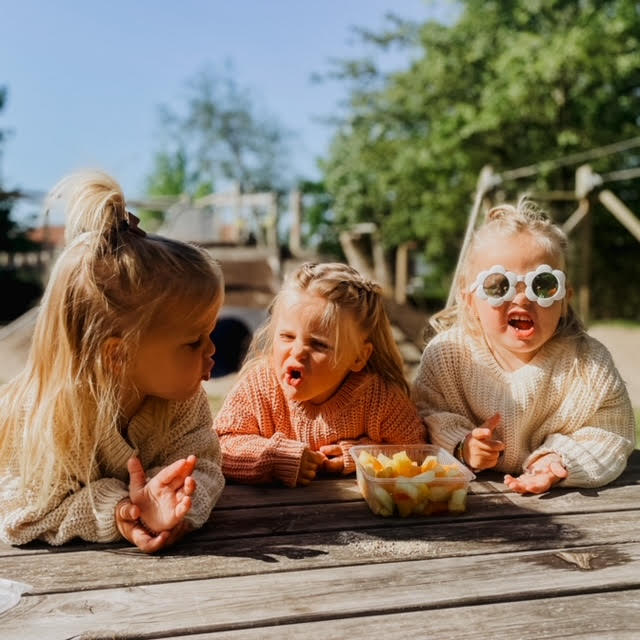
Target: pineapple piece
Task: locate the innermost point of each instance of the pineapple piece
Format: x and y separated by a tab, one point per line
402	464
383	501
439	494
458	501
425	476
429	463
386	469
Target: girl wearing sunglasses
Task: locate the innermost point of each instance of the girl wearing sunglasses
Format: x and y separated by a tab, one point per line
512	382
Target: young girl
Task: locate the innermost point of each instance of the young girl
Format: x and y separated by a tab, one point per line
111	392
322	375
516	384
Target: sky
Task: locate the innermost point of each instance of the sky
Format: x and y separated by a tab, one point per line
85	78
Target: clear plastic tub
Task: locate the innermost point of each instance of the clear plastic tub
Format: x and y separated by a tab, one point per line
411	480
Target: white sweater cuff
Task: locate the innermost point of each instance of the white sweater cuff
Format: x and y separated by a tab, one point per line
589	463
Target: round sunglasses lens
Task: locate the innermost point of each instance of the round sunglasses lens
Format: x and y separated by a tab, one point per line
545	285
496	285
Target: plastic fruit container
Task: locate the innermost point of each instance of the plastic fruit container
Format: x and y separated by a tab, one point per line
411	480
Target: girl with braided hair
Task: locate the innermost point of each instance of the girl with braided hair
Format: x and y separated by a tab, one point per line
106	433
322	374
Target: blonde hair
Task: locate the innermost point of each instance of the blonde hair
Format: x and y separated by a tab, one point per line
346	292
506	220
111	280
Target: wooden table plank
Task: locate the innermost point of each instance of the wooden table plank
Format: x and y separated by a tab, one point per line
229	524
600	616
325	594
89	569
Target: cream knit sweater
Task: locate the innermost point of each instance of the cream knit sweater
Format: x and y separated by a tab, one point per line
263	434
89	512
577	407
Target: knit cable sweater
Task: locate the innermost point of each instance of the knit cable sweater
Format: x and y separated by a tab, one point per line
578	409
263	434
89	512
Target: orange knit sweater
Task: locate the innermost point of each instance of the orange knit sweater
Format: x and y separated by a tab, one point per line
263	434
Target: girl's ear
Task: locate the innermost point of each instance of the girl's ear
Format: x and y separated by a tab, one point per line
112	354
363	357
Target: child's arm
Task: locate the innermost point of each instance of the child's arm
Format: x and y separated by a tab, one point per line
190	434
438	395
596	452
254	451
72	511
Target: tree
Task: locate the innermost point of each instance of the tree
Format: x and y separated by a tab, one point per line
222	137
19	288
506	84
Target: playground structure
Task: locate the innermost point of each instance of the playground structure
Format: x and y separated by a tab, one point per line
588	189
241	232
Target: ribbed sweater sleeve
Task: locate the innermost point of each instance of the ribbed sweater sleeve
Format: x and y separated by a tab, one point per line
254	433
438	395
72	511
190	432
596	453
569	399
159	433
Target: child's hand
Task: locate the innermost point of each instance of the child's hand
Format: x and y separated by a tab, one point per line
334	460
165	500
540	476
309	464
129	526
480	450
128	523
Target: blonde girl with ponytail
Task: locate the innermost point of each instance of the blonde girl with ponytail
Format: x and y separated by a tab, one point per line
111	392
323	374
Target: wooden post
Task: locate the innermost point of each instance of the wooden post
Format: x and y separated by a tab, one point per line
586	180
272	223
621	212
402	271
487	181
295	243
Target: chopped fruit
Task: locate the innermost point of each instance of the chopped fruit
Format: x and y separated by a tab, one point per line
399	484
458	500
430	462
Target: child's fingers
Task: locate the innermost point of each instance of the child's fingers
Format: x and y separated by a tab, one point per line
174	474
127	511
334	465
481	436
148	543
190	485
137	478
558	470
331	450
183	507
488	446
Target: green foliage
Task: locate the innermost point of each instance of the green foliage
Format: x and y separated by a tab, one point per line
222	137
320	231
20	287
506	84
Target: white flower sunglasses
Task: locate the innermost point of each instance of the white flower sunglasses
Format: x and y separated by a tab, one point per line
497	285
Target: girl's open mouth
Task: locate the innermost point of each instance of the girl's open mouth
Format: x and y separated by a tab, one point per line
293	377
522	324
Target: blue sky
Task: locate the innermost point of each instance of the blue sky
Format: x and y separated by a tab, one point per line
85	78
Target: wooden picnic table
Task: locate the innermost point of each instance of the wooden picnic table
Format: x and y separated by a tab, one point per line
314	562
